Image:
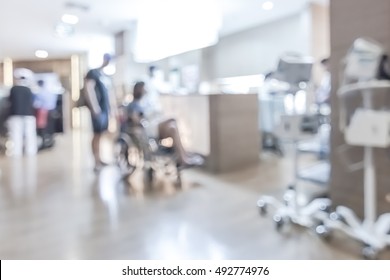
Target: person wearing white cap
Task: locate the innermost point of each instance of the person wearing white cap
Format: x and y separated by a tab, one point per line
21	122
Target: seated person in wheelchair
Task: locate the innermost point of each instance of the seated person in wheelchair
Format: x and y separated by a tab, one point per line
157	127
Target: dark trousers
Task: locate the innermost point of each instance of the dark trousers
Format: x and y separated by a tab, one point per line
47	133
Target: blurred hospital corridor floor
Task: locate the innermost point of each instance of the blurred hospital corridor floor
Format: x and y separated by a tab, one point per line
53	206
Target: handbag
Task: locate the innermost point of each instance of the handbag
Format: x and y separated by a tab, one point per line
42	115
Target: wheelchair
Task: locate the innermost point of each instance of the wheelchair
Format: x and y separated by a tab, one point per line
135	150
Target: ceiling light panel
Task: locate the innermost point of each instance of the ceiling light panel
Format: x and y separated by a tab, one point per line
269	5
41	54
69	19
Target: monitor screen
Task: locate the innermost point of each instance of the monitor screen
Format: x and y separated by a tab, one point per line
294	69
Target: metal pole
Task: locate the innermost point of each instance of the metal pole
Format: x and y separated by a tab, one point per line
369	174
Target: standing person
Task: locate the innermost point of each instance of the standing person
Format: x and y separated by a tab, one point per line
323	94
324	89
99	96
22	123
45	102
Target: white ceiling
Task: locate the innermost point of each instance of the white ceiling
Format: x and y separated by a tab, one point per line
26	25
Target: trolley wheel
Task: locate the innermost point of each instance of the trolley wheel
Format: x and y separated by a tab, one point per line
279	222
262	207
326	208
369	253
279	225
323	232
289	195
334	216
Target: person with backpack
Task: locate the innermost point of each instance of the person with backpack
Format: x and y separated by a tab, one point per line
97	94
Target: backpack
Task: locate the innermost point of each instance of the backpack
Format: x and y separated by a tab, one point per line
82	101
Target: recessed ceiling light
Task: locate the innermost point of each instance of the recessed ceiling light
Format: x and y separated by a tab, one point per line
41	54
269	5
69	19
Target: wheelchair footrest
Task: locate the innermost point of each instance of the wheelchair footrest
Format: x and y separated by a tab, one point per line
165	150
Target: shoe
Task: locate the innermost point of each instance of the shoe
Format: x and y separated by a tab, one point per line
196	160
99	166
103	164
192	161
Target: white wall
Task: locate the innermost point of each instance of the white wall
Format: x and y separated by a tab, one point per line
257	50
249	52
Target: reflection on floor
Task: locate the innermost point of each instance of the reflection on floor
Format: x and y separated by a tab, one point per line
54	207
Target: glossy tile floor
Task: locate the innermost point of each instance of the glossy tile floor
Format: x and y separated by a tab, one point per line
54	207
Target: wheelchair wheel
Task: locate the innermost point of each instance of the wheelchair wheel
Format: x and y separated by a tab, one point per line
370	253
127	155
165	165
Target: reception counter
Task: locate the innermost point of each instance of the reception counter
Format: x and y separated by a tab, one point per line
221	127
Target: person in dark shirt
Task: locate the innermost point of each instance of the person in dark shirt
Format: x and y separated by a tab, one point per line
22	123
21	100
98	87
